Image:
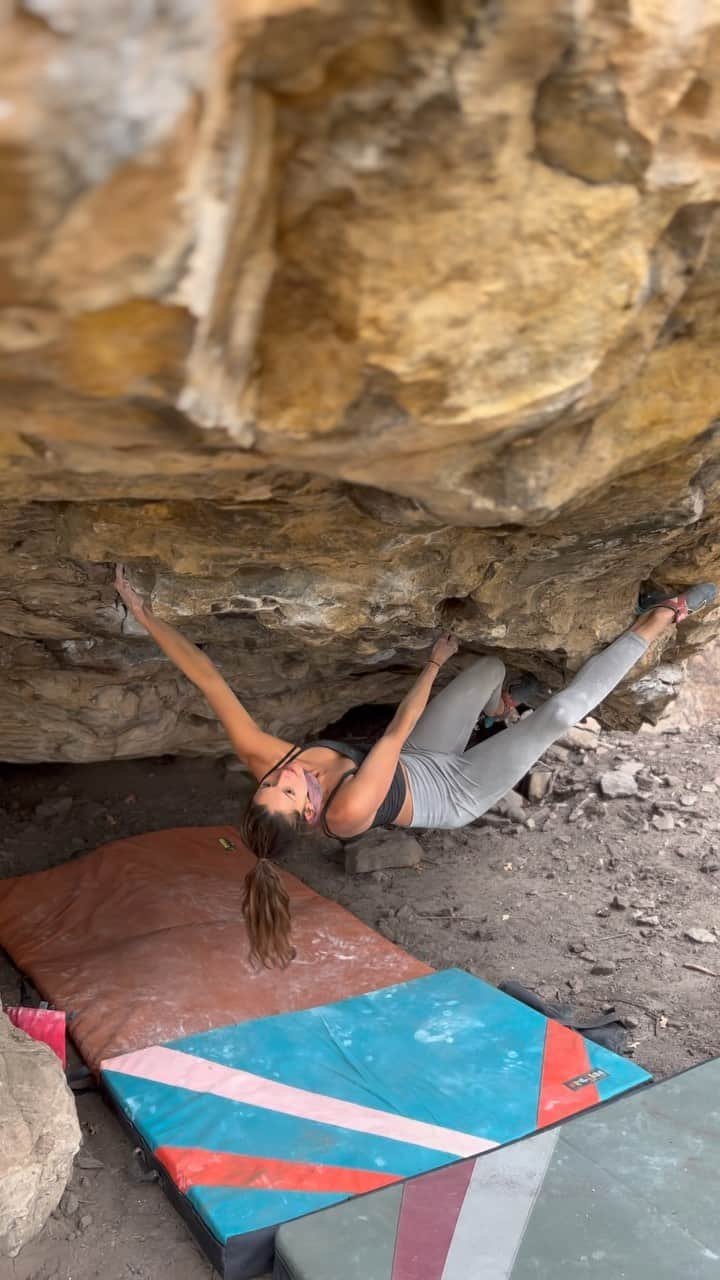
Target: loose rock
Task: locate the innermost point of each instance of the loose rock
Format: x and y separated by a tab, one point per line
54	808
380	850
603	968
663	821
616	784
581	739
539	784
69	1204
698	934
512	806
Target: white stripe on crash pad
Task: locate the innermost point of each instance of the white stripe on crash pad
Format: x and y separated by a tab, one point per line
180	1070
497	1208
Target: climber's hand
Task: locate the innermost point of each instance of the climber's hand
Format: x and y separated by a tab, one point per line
134	601
444	648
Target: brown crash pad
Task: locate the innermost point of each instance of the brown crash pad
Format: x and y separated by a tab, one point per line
143	941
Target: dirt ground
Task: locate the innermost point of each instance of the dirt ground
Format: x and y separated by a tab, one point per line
586	883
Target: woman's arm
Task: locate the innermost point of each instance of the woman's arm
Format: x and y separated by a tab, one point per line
359	800
257	749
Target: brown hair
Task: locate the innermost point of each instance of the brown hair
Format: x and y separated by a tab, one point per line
266	904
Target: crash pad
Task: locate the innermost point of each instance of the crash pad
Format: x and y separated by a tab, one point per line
143	941
630	1189
256	1124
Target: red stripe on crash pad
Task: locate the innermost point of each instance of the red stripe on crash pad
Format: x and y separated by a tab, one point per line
195	1167
429	1212
565	1060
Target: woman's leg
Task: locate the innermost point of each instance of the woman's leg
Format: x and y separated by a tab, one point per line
496	765
448	721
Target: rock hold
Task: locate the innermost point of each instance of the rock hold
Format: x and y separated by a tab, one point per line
40	1136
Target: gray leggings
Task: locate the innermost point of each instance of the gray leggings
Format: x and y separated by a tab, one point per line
451	786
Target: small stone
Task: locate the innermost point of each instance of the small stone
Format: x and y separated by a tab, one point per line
580	739
88	1162
406	912
688	801
512	806
558	752
709	787
672	780
698	934
709	866
618	905
641	918
539	784
69	1204
603	912
382	878
630	1022
54	808
616	784
85	1221
381	850
632	766
663	821
603	968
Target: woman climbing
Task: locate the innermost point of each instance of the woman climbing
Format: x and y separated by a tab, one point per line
418	774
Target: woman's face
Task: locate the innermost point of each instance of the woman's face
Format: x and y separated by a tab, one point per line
285	791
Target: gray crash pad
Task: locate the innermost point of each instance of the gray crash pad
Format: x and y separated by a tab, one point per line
630	1189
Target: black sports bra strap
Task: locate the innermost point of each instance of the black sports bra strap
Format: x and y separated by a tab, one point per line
349	773
292	754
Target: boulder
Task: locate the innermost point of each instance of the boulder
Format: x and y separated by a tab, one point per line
343	324
40	1136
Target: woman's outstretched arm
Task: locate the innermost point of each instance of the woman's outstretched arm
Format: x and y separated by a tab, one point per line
257	749
360	799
